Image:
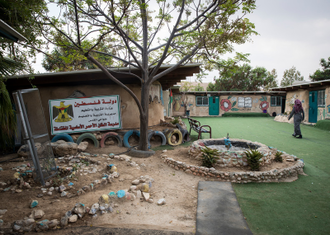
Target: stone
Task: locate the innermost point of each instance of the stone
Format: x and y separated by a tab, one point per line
132	188
64	221
24	151
104	199
2	212
79	209
67	148
146	196
61	188
135	182
138	194
82	146
53	223
38	214
25	225
73	218
161	201
95	207
33	203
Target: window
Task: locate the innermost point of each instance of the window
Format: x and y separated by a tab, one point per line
202	101
276	101
320	98
244	102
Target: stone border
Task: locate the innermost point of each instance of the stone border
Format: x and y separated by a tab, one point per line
273	175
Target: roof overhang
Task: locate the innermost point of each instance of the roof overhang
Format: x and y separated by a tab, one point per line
303	85
10	33
97	77
279	93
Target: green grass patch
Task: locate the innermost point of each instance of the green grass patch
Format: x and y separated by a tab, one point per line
185	144
323	125
300	207
245	115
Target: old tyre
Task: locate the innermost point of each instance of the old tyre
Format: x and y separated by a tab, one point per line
129	134
88	136
175	132
65	137
141	153
158	133
108	135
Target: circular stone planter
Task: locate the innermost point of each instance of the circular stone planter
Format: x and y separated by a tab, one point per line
287	174
232	158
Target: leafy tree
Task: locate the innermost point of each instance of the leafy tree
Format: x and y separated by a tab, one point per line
186	86
243	78
189	86
322	75
291	75
21	16
7	118
15	58
65	57
198	87
146	34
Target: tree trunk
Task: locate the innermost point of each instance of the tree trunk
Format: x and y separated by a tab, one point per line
143	145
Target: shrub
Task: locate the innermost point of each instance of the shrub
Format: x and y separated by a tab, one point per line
209	156
175	121
253	157
278	157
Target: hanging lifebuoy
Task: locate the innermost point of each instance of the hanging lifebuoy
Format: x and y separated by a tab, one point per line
108	135
127	135
88	136
158	133
175	132
64	136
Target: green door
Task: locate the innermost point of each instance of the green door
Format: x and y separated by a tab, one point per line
213	105
312	114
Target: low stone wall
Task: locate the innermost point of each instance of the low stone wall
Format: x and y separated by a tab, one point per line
236	159
273	175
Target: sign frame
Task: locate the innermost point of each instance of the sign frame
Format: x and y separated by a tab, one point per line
95	103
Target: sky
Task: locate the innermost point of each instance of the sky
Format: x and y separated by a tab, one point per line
291	33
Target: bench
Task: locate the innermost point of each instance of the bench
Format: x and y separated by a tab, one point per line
196	126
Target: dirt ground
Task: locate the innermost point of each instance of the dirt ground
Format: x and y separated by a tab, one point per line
178	188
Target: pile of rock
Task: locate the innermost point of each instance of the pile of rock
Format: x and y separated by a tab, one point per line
283	118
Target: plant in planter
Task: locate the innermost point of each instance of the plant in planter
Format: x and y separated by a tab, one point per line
175	121
278	157
253	159
209	156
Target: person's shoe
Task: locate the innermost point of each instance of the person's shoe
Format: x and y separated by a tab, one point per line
293	135
299	136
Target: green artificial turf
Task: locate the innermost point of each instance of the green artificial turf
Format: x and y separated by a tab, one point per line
323	124
300	207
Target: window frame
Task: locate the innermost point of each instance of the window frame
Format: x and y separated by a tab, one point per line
322	99
278	101
203	99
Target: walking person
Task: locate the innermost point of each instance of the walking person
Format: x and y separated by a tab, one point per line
298	116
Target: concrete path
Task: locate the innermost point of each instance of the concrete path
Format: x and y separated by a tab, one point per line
218	211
